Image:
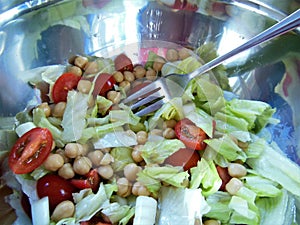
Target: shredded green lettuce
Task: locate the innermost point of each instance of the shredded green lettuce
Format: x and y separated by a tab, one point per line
181	206
152	176
157	151
74	115
275	166
206	177
227	147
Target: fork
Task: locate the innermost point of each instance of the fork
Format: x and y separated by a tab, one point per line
165	88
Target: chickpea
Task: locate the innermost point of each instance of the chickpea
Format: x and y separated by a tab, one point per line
169	133
237	170
212	222
139	189
62	153
54	162
242	145
124	187
63	210
45	107
172	55
139	72
105	150
84	86
80	61
233	186
131	170
95	157
158	64
183	53
59	109
119	77
72	150
150	74
106	172
169	124
141	137
125	85
83	149
66	171
82	165
91	67
106	159
114	96
129	76
75	70
157	132
136	154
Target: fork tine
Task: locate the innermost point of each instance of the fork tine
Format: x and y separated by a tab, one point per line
151	108
150	88
149	98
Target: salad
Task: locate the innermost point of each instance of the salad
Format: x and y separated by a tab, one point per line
83	157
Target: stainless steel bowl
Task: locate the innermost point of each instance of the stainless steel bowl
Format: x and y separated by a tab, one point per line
48	32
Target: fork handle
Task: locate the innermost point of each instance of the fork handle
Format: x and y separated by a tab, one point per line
289	23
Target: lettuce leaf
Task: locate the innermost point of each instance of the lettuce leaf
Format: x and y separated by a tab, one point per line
277	167
156	152
205	176
278	210
116	212
122	157
40	120
227	148
218	203
171	110
263	187
73	121
202	120
189	211
257	114
116	139
88	203
152	177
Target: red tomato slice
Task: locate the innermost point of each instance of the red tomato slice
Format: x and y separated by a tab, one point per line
92	180
123	63
225	177
30	150
56	188
187	158
62	85
191	135
104	83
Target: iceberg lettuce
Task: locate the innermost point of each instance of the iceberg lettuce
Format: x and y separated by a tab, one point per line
181	206
73	121
157	151
206	177
152	176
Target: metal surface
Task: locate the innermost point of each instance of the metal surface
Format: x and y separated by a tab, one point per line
42	33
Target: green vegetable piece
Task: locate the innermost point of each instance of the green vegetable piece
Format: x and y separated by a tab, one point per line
122	157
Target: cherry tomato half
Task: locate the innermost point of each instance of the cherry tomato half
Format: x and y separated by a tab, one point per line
191	135
104	83
62	85
56	188
224	175
187	158
92	180
123	63
30	150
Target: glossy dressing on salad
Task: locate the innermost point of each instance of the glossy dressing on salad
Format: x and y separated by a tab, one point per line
83	157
